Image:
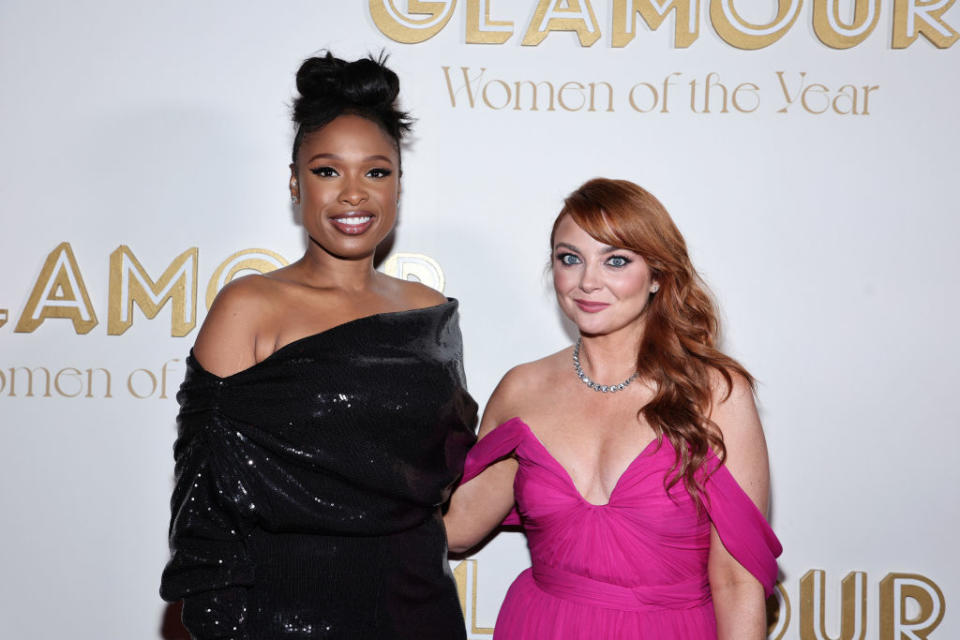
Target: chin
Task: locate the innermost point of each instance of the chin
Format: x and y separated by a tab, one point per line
354	250
594	326
593	331
356	253
591	326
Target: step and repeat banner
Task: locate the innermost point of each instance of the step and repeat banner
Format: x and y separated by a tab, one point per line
806	148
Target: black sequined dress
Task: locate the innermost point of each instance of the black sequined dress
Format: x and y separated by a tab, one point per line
308	487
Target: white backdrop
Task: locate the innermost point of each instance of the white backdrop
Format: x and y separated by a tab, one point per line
828	239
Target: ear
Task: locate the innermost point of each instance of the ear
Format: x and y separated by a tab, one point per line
294	184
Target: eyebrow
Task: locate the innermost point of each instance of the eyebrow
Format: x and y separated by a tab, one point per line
607	249
333	156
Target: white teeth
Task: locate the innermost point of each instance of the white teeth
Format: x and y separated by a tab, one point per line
354	220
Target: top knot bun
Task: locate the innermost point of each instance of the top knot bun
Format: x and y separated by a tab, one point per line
364	82
330	87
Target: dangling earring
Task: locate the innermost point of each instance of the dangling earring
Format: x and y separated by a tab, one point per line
655	287
294	199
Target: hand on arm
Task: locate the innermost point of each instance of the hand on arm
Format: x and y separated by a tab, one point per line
737	595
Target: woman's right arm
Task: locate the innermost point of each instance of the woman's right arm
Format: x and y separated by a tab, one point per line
209	567
227	342
480	505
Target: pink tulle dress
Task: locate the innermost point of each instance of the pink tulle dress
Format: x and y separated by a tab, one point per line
634	568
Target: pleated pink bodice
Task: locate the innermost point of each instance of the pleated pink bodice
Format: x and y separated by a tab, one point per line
634	568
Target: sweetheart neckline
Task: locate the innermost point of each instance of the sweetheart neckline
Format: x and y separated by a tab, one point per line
566	474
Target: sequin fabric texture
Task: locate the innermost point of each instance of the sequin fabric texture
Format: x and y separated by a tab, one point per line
308	487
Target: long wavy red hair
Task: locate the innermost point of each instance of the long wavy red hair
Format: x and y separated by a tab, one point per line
678	351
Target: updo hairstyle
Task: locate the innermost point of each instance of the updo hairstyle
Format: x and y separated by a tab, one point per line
330	87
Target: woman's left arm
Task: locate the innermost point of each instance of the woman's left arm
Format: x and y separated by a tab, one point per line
738	598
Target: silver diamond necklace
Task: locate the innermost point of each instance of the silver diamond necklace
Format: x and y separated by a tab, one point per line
603	388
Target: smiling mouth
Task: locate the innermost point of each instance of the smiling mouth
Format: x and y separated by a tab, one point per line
353	223
591	307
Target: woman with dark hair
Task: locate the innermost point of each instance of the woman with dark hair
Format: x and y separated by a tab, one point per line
324	418
634	460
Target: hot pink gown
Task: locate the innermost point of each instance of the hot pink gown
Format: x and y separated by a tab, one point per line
634	568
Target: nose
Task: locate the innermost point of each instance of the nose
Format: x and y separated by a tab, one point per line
353	192
589	279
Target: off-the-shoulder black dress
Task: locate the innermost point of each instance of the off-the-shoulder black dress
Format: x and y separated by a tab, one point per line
308	487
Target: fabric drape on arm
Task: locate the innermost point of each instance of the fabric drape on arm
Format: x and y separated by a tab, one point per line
212	512
742	528
497	445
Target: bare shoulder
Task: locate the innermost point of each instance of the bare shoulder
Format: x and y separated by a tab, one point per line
734	407
226	343
531	377
735	414
418	295
513	393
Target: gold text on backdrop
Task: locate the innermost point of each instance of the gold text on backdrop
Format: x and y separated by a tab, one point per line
60	291
911	606
92	382
899	593
471	88
67	382
813	607
527	95
423	20
130	285
817	98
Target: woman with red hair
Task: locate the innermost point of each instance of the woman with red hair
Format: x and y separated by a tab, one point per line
634	460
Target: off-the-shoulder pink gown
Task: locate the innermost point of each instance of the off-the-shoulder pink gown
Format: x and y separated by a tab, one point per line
632	569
